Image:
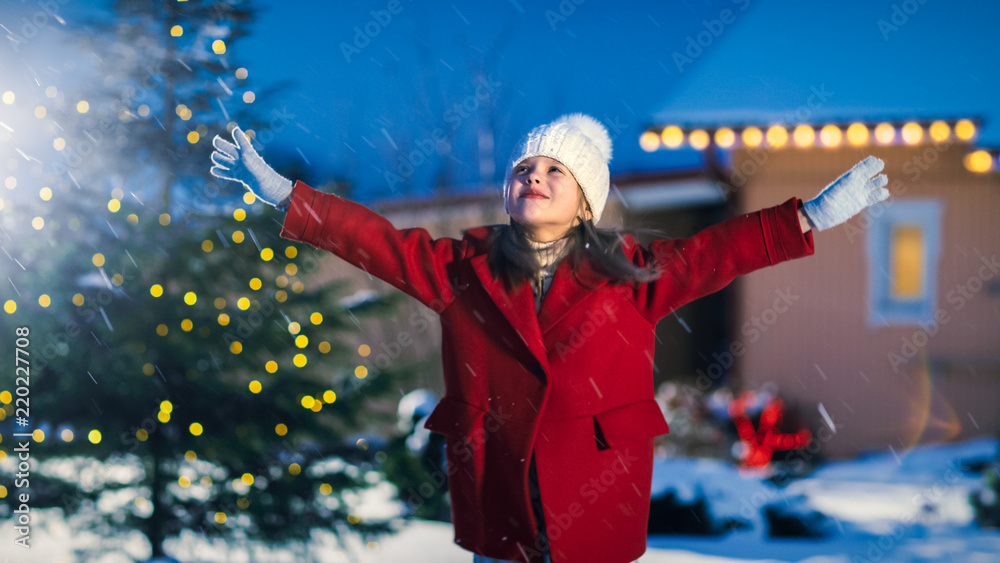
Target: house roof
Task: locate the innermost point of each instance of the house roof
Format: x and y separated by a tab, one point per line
788	62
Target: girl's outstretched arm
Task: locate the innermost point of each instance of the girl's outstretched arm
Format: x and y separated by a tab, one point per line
710	260
408	259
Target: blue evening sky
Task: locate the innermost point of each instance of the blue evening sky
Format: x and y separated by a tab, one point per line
628	64
479	75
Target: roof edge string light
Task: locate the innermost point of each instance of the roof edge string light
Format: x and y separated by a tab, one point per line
826	135
806	135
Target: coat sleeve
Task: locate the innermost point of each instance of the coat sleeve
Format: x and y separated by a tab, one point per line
408	259
710	260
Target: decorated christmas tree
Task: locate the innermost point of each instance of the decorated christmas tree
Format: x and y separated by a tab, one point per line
189	371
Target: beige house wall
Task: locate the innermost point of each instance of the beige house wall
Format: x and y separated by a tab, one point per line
822	349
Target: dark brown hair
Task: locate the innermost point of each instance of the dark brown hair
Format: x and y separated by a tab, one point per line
510	254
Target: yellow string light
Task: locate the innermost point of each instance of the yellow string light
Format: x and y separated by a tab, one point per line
830	136
672	137
698	139
777	136
912	133
979	161
965	129
939	131
804	135
649	141
857	134
725	137
885	133
752	136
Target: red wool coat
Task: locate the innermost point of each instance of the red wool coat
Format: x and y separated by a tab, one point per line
571	385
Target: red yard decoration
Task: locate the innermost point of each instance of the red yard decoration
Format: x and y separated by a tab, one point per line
760	444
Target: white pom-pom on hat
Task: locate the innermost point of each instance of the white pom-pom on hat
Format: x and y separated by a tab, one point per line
582	144
593	129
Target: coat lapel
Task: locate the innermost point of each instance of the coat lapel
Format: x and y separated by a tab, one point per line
518	306
565	293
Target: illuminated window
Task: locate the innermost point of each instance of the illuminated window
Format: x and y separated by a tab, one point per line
903	246
906	251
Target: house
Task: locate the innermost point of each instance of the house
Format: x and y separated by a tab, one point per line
891	331
894	324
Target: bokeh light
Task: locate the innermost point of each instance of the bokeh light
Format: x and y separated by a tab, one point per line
912	133
885	133
752	136
939	131
698	139
672	136
649	141
830	136
804	135
857	134
964	129
725	137
978	161
777	136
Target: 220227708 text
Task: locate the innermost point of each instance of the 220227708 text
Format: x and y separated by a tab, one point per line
22	413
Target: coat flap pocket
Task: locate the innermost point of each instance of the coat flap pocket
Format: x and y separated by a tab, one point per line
454	418
634	421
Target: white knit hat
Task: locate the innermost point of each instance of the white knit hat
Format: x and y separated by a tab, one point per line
578	141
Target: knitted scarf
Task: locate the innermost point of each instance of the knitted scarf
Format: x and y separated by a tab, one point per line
549	254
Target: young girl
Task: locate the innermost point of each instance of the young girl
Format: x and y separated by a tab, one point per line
548	332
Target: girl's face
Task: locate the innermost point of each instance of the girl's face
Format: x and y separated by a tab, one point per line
544	198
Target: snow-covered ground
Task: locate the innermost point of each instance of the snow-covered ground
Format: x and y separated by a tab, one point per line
893	507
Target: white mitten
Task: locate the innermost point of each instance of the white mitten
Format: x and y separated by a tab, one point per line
846	196
241	163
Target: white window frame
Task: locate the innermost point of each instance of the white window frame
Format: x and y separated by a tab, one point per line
883	309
